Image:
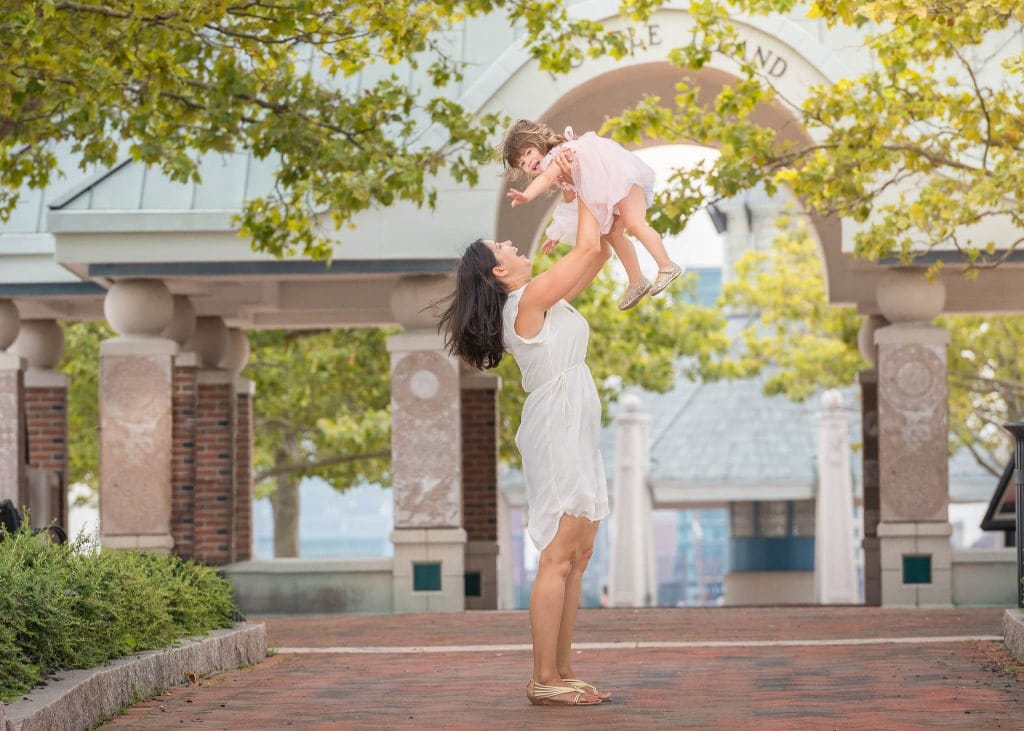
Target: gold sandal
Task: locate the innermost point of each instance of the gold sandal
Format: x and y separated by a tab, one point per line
543	695
665	278
587	688
633	294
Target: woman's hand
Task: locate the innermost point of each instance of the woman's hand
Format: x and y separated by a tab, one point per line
563	159
518	197
548	246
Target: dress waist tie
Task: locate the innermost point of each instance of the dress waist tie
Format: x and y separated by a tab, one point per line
561	383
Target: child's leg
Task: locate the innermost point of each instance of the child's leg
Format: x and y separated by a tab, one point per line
625	250
633	212
623	247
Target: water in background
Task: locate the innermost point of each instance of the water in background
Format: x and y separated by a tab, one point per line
356	523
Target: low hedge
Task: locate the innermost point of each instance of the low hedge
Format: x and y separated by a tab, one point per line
66	606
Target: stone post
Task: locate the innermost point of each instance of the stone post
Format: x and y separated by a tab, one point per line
183	433
41	344
480	486
868	379
426	456
136	392
835	563
632	581
12	411
913	433
234	361
215	445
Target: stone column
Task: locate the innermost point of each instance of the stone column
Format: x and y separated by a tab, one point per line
41	344
215	445
480	486
426	456
632	581
12	411
136	391
234	361
868	379
913	474
183	432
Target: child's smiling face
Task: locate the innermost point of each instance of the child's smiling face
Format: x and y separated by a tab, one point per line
529	161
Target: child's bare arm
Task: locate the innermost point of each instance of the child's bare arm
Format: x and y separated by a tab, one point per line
541	183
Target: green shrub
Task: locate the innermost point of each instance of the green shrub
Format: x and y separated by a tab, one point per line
75	606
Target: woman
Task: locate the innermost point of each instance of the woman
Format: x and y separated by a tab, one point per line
499	305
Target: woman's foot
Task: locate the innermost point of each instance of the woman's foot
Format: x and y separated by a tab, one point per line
586	687
634	293
665	277
559	695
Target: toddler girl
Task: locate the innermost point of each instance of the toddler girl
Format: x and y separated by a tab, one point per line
613	183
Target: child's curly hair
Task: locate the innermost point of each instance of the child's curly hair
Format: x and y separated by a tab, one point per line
526	133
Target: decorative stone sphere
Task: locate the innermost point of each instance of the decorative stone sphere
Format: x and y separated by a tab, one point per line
866	337
138	307
832	399
183	321
904	295
413	297
631	403
10	322
40	342
236	354
209	341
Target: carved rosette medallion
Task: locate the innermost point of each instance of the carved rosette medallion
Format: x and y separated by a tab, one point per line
913	426
426	441
135	395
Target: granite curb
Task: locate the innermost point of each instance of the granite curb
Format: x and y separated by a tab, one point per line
1013	632
82	697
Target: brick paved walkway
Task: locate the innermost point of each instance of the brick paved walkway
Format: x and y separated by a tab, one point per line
836	668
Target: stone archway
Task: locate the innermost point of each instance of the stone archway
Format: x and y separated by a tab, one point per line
600	88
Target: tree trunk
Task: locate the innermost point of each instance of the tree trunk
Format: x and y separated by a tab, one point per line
285	504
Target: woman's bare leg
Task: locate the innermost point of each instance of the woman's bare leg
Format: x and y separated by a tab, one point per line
547	600
573	589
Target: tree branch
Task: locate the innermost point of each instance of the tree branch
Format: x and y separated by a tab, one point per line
293	467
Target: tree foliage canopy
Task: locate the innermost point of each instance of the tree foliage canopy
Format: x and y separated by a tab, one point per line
165	80
803	344
919	149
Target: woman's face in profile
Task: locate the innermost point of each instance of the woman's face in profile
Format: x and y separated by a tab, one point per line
508	256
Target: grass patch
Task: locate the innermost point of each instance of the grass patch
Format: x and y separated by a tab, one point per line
69	606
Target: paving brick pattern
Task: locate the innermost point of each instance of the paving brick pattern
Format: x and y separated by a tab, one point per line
955	685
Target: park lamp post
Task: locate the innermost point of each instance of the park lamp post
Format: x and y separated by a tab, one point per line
1016	428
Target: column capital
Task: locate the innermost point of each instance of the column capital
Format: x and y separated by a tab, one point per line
902	333
11	362
413	340
470	379
10	322
43	378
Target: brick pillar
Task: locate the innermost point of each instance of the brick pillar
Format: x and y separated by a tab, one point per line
243	469
215	467
480	487
869	471
46	398
868	379
183	456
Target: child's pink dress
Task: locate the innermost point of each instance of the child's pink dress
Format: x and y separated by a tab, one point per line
603	171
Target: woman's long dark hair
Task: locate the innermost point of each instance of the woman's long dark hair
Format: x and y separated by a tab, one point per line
472	321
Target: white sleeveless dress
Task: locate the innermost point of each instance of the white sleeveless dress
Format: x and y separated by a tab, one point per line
561	425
